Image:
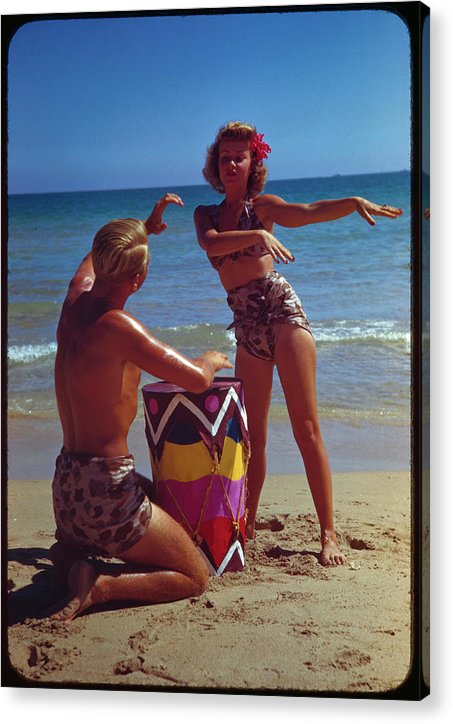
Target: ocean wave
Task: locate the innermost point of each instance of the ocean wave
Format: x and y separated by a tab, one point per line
190	338
193	338
196	326
353	417
327	335
26	353
363	332
332	331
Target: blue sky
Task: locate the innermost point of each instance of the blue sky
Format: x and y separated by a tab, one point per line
133	102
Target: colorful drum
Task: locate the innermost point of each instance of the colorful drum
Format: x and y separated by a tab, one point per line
199	449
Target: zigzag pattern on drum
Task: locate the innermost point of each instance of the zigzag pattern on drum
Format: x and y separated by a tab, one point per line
181	399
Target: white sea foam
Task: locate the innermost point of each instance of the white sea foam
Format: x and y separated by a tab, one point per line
363	331
26	353
333	331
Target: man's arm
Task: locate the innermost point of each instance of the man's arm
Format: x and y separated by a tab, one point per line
154	223
82	280
136	344
84	276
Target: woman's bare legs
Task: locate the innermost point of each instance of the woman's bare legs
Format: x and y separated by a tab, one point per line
256	375
163	566
295	356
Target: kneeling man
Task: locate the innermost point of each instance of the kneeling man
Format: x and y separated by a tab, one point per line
99	501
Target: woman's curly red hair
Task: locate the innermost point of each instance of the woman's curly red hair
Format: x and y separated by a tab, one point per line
237	131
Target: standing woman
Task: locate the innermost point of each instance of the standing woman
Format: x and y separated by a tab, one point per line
270	324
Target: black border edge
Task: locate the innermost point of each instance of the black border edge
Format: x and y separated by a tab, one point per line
416	685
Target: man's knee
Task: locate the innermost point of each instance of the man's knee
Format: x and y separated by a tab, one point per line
200	583
200	577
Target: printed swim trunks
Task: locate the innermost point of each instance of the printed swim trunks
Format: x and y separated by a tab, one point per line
99	503
260	307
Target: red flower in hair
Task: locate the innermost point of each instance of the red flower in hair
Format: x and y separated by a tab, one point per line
259	147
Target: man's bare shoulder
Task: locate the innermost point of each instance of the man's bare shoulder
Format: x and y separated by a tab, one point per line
133	342
122	337
120	322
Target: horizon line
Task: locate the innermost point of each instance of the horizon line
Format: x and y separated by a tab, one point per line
205	184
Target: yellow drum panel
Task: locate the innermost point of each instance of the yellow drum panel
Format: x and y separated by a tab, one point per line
232	463
191	462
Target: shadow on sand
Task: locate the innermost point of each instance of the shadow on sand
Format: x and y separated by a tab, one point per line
34	599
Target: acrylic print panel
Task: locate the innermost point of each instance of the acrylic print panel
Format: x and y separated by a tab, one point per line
125	116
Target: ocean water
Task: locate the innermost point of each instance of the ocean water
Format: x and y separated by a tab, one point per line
353	279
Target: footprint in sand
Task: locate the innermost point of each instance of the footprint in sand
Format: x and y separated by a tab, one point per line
358	544
348	659
271	522
278	552
129	666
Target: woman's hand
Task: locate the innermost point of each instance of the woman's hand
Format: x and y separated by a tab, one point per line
275	248
367	209
154	223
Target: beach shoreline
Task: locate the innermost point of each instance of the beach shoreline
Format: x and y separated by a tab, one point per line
284	624
34	444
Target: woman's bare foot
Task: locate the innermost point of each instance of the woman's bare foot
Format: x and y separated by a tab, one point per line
81	582
330	552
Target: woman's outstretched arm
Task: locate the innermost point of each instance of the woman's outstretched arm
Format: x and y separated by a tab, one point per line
273	209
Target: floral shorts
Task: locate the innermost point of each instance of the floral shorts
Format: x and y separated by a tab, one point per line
260	307
99	503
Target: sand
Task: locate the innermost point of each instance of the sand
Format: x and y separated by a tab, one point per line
284	625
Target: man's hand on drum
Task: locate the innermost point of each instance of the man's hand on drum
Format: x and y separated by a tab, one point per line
218	360
154	223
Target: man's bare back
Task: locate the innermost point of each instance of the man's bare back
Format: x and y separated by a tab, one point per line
96	386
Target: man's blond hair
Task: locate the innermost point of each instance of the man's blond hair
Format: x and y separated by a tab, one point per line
120	250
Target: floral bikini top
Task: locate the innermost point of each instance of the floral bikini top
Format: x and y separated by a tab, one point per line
247	221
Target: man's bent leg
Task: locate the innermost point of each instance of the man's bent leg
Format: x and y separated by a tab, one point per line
171	569
167	546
